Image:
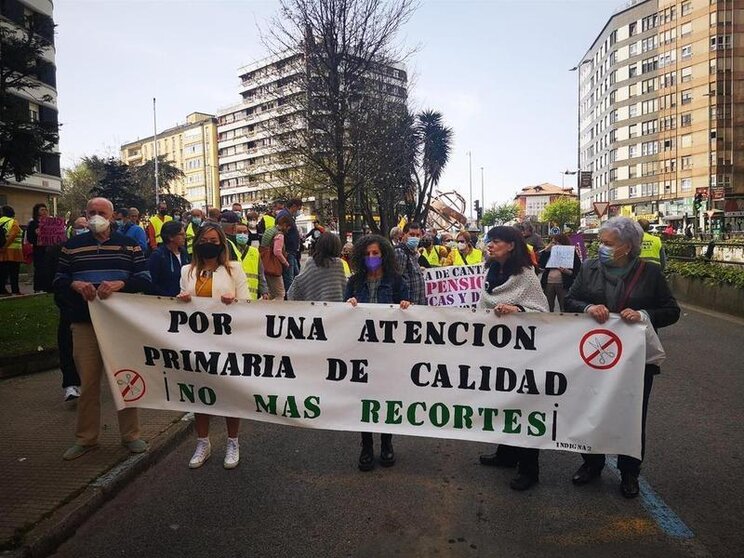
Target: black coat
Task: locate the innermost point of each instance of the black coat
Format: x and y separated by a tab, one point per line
593	285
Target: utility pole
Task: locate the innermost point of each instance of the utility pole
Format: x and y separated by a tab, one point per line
155	134
470	180
483	190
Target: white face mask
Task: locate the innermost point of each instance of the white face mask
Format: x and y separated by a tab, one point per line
462	245
98	224
252	224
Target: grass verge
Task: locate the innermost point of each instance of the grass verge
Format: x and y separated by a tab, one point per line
29	322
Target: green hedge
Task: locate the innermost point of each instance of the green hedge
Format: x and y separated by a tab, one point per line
713	274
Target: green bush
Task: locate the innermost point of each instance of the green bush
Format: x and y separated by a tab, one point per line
712	274
680	248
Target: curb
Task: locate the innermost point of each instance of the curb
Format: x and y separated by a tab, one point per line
51	532
29	363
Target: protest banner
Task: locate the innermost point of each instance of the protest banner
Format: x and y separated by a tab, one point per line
530	379
454	286
561	256
578	241
52	231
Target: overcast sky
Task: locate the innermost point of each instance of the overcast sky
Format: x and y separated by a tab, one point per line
496	69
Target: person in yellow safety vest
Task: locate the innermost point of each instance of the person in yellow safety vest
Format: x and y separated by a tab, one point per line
197	216
464	254
430	254
346	252
238	210
268	220
250	259
651	248
11	252
156	223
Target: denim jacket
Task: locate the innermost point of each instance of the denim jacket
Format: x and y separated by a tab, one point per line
392	289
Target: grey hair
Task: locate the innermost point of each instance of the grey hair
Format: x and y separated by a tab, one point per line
628	232
395	233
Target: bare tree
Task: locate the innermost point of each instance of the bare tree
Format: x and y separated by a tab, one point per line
338	51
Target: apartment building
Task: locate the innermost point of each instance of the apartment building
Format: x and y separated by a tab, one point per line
250	157
661	110
191	147
45	185
533	200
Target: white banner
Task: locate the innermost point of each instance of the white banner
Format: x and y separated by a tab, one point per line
533	380
454	286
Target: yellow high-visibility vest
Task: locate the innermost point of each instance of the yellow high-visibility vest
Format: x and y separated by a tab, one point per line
432	257
268	221
7	224
651	248
347	269
250	266
157	224
190	234
475	257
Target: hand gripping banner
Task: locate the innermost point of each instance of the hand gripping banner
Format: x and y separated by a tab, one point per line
530	379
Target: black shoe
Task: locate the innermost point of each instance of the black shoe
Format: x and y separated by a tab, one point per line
523	482
367	459
586	474
496	460
387	454
629	485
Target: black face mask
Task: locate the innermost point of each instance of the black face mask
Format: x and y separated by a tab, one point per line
162	211
208	250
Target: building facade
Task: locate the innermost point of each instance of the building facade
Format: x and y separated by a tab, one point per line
532	200
191	147
250	157
45	185
661	108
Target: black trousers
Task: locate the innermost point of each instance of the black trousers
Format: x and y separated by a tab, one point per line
9	274
39	268
368	441
70	375
627	464
527	460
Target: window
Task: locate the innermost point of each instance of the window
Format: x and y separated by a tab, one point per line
686	140
632	171
720	42
648	127
650	64
649	148
685	29
632	70
649	22
686	96
686	52
667	101
648	44
667	123
648	85
668	144
667	58
633	110
668	37
670	165
632	151
686	7
668	79
685	184
686	162
632	130
632	28
633	90
647	107
632	191
632	49
686	74
33	112
713	134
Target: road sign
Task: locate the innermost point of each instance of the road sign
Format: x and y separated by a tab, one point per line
585	179
600	208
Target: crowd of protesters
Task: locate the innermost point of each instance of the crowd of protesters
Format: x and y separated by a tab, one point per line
231	254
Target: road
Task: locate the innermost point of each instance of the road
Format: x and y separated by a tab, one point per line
298	492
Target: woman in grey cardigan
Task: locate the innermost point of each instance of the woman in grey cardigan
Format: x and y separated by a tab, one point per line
512	286
322	278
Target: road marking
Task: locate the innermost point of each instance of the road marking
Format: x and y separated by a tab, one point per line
667	520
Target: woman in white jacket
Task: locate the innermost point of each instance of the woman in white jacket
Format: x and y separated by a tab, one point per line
212	274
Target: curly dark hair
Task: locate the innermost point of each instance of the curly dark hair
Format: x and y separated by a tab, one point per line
389	265
520	257
327	247
36	209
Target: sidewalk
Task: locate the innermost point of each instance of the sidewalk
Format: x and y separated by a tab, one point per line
44	498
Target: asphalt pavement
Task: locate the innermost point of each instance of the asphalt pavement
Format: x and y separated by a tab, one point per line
298	492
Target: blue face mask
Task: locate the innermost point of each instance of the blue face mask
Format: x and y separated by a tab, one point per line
119	222
412	242
241	238
373	263
606	254
196	221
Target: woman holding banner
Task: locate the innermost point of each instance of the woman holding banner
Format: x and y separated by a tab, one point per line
212	274
619	281
512	286
376	281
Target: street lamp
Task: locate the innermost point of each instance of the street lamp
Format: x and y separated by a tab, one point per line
578	125
563	176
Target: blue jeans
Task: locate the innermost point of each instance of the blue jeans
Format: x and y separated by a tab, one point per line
290	272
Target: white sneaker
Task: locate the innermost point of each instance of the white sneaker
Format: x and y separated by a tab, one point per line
201	454
72	393
232	453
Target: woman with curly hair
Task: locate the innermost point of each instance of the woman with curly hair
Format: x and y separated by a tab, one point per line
376	280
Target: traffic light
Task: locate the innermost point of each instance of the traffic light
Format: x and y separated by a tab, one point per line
478	209
698	202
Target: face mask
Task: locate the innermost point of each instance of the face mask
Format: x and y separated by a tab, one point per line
373	263
176	218
606	254
162	211
196	220
241	238
462	245
252	224
298	213
119	222
99	224
208	250
412	242
452	244
81	231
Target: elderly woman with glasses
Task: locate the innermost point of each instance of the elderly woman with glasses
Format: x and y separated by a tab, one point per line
618	281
